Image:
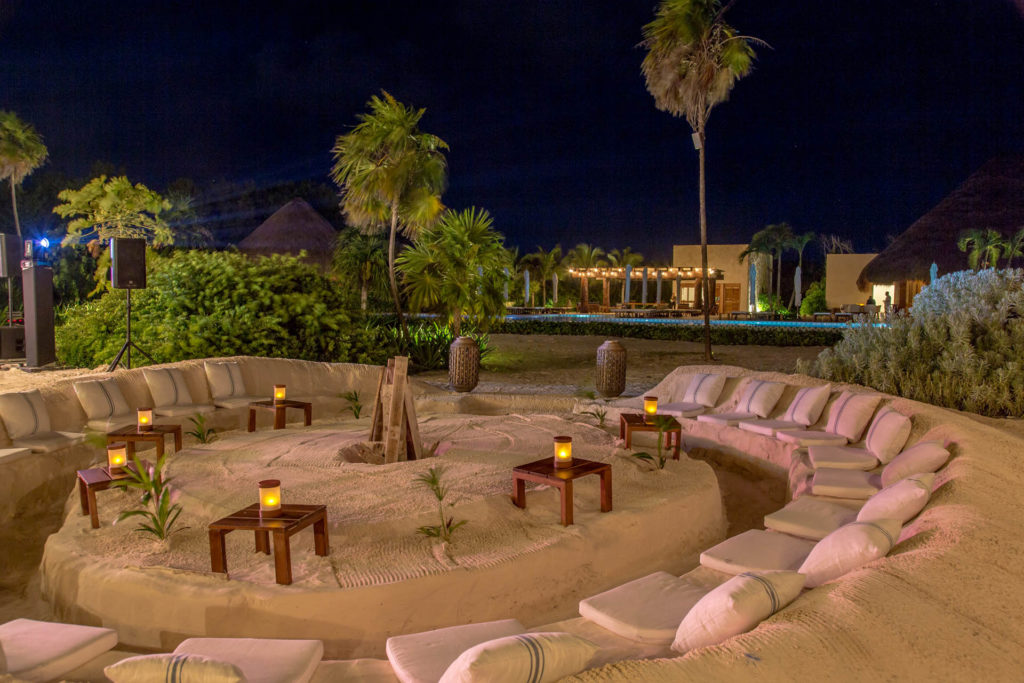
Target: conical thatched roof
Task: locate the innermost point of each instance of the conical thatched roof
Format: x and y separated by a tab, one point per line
993	197
294	227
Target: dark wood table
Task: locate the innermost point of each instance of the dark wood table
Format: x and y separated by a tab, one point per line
291	520
544	472
279	408
131	433
634	422
89	482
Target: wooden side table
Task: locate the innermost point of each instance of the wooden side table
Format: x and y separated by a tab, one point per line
634	422
544	472
89	482
291	520
279	408
131	433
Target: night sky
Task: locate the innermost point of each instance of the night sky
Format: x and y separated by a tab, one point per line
862	116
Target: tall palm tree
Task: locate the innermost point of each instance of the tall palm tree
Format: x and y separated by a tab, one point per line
362	255
780	235
693	61
548	263
620	258
1014	247
21	152
760	246
390	174
585	256
798	243
983	247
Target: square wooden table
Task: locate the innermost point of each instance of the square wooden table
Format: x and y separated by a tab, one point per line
635	422
545	472
131	433
89	482
291	520
279	408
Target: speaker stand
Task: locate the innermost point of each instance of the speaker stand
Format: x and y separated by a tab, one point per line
126	349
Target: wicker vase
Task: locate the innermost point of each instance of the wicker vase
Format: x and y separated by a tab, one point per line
611	369
463	364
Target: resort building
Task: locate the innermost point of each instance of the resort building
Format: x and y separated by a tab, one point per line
731	293
294	228
841	280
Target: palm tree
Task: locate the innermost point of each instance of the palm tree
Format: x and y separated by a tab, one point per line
585	256
458	267
362	255
693	61
390	173
984	247
1014	247
548	263
621	259
21	152
798	243
772	240
760	245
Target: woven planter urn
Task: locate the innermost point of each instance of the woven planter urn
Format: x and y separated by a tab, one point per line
611	369
463	364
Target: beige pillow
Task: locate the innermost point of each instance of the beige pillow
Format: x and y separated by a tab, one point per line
807	405
924	456
225	379
173	668
101	399
534	657
851	413
167	386
704	389
24	414
848	548
901	501
887	434
759	397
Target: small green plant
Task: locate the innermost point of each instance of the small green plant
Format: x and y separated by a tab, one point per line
159	510
200	431
432	479
587	393
353	403
663	423
599	414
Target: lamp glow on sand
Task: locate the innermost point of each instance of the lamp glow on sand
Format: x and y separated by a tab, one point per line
145	418
563	452
117	458
650	407
279	393
270	498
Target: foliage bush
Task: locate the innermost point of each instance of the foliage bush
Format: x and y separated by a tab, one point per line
962	347
771	302
722	335
427	347
202	304
814	301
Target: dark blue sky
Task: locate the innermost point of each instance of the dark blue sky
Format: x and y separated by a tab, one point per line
862	116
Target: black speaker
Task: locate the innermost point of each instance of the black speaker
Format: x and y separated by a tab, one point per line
37	281
10	255
128	263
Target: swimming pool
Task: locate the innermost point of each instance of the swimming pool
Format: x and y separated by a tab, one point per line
590	317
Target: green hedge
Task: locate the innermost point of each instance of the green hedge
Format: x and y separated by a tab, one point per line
722	335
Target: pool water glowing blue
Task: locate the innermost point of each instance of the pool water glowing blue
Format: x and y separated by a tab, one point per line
589	317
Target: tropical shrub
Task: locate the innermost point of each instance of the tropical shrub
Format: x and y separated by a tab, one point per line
963	346
158	509
771	302
761	335
814	301
426	347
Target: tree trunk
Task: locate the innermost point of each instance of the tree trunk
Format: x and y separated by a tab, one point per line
543	290
778	279
584	294
391	272
457	323
363	292
14	205
704	248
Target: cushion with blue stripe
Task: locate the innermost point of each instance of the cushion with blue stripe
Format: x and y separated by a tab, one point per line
172	668
759	397
848	548
522	658
850	414
704	389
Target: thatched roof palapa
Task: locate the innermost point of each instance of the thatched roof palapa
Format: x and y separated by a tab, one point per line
294	227
992	197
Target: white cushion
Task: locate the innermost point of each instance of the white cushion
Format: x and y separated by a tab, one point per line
535	657
237	402
809	517
225	379
768	427
807	405
42	650
849	547
424	657
760	396
756	550
167	386
845	483
704	389
109	424
887	434
681	409
261	660
810	437
924	456
173	668
735	607
183	410
901	501
726	419
47	442
842	458
851	413
101	399
24	414
647	610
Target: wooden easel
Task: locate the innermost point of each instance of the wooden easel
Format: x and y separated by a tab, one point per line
394	415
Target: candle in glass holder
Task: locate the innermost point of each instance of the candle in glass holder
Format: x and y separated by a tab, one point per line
117	458
145	417
650	407
278	393
563	452
270	497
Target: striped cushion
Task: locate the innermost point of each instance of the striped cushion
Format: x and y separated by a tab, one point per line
24	414
851	413
704	389
848	548
807	405
524	658
887	434
759	397
923	456
225	379
167	386
172	668
101	399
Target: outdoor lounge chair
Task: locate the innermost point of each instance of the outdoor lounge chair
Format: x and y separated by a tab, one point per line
28	423
171	397
44	651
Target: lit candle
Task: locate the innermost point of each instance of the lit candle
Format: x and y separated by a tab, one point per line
270	497
117	458
563	452
145	418
650	407
278	393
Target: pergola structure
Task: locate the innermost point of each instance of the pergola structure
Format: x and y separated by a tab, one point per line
680	275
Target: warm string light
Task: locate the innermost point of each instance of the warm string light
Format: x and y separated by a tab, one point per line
563	451
145	417
279	393
270	497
